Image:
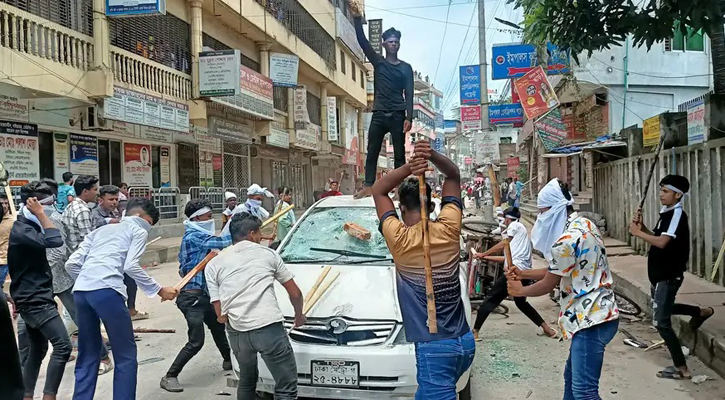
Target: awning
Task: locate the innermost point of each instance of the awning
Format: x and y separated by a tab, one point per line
578	148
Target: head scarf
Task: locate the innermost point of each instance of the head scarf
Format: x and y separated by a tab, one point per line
550	224
256	189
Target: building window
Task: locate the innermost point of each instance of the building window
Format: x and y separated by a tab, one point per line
280	98
362	79
691	41
314	108
342	61
354	75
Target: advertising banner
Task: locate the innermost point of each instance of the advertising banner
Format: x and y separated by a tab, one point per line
19	151
61	155
332	134
83	155
137	164
470	83
470	117
283	69
505	114
696	123
651	131
219	73
165	167
516	60
537	95
552	130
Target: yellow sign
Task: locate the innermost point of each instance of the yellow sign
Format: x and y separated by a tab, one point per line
651	132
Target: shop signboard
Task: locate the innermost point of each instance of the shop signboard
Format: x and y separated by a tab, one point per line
142	109
156	134
255	95
505	114
307	138
283	69
61	155
332	134
165	167
551	130
651	132
470	83
129	8
137	164
536	94
516	60
696	123
19	151
230	131
301	115
207	142
83	155
470	117
219	73
278	138
486	146
13	108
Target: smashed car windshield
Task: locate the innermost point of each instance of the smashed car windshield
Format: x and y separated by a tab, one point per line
324	228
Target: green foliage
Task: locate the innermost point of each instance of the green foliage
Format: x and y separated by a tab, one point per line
589	25
523	174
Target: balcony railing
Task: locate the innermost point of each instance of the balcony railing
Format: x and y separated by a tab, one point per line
31	35
142	72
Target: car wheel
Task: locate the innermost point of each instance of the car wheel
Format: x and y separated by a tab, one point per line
465	394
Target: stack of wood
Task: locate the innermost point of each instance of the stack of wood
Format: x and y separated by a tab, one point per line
357	231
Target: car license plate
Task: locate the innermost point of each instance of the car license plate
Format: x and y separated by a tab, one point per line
335	373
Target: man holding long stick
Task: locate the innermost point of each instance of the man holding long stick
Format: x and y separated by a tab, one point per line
444	356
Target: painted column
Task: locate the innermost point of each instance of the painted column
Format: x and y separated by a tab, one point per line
196	43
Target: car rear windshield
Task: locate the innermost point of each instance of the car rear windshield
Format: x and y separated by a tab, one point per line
322	228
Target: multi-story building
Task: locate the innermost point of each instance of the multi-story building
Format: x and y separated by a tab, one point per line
120	97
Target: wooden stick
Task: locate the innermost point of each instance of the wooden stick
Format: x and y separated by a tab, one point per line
278	215
314	287
153	241
153	330
11	201
652	170
319	293
718	261
199	267
430	296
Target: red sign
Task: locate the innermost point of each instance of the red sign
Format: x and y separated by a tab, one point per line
470	117
468	160
537	95
216	162
514	96
513	165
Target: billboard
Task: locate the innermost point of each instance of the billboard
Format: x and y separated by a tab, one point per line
537	95
470	83
515	60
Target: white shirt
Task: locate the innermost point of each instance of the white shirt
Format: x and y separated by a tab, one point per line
520	245
512	190
242	278
107	253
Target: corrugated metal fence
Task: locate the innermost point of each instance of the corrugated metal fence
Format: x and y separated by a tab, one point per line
619	186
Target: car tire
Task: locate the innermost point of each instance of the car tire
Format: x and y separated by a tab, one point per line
465	394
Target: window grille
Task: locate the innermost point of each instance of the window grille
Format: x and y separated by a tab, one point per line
281	98
314	108
72	14
165	39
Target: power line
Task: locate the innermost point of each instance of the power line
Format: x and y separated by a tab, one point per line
651	75
463	43
443	40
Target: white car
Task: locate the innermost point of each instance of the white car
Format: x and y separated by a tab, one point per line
353	345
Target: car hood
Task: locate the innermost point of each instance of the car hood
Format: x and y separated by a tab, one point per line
360	292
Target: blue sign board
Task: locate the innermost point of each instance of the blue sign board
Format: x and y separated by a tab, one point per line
515	60
439	121
124	8
470	83
505	114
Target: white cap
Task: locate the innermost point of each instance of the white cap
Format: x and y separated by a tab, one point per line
229	195
256	189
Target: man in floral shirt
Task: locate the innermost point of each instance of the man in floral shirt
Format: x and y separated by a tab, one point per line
578	264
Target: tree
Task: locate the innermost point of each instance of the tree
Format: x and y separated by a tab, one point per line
585	26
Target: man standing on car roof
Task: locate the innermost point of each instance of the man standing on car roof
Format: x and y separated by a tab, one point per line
441	358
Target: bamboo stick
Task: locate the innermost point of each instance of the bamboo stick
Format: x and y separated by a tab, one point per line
429	294
314	287
198	268
278	215
319	293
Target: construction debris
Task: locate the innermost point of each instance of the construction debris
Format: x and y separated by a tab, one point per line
356	231
698	379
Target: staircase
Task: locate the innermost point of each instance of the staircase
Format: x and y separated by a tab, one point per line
529	211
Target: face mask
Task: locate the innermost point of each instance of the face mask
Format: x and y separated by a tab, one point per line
140	222
207	226
254	203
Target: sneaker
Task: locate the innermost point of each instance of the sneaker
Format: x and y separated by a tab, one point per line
227	365
171	384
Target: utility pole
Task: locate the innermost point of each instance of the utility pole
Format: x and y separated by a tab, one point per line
483	61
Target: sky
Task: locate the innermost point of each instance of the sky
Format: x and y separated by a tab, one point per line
423	25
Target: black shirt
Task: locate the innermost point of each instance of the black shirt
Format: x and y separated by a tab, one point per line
391	80
32	281
670	262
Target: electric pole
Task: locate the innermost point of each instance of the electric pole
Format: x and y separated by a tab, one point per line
483	61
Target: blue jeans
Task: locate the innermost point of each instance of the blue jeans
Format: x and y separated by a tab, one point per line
109	306
3	275
440	364
586	357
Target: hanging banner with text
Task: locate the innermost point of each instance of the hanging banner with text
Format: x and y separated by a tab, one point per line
19	152
696	123
332	134
552	130
512	164
486	147
137	164
283	69
219	73
537	95
470	83
165	161
505	114
470	117
375	33
83	155
301	115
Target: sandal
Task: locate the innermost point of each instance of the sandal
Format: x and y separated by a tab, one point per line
671	373
139	316
696	322
104	368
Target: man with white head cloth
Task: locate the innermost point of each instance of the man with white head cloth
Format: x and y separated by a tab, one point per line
253	205
578	264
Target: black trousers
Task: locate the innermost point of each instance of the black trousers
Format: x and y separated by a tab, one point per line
499	292
198	312
382	123
663	298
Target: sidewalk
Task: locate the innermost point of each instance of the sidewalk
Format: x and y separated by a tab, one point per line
708	343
